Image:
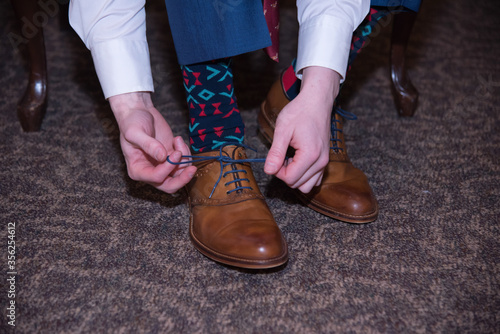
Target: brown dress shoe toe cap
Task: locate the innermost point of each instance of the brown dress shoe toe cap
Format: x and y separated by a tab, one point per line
347	198
346	201
246	236
257	240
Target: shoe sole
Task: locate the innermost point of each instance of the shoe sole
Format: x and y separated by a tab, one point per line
267	131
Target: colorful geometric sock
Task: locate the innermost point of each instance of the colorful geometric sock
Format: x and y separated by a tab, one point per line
363	31
291	84
213	112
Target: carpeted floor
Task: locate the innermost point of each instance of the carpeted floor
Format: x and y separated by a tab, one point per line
97	252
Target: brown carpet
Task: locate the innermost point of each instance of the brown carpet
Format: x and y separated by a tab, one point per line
99	253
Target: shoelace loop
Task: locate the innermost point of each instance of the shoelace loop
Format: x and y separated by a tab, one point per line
224	162
347	115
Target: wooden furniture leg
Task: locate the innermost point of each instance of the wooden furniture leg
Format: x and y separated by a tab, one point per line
33	104
405	94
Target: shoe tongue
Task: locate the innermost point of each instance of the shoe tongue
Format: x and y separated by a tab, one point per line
238	153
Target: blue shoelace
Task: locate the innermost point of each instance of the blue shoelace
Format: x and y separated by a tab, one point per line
224	162
347	115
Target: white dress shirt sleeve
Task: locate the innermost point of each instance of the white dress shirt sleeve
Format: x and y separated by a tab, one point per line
115	33
325	32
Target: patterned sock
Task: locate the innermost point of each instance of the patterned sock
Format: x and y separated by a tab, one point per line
291	84
213	111
363	31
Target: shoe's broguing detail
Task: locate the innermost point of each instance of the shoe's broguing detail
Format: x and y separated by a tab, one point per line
230	221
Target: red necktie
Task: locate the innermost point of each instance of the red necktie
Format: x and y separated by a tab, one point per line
271	12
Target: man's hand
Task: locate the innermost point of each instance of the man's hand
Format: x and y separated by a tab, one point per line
305	125
146	140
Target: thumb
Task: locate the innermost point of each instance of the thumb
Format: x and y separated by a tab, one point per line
148	144
277	152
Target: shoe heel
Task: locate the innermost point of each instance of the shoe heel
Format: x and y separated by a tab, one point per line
265	127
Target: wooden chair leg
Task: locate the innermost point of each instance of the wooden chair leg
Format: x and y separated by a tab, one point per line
405	94
33	104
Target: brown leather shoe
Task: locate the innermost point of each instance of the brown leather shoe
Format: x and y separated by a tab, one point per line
230	220
344	192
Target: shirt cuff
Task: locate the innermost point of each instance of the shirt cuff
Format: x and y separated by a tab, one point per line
123	66
324	41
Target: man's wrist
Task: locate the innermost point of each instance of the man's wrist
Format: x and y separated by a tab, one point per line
123	104
323	82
